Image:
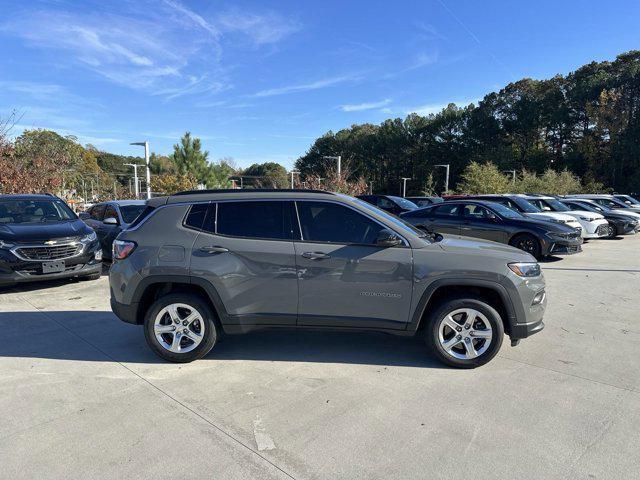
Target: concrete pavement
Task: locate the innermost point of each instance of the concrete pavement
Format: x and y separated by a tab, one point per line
81	395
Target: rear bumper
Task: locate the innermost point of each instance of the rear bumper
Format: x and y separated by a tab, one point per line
126	313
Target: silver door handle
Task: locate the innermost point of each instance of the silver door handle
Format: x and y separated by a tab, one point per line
213	249
315	255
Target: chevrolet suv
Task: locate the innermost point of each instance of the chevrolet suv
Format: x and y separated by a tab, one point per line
42	239
199	264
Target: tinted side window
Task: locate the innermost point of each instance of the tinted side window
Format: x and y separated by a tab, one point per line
270	220
447	210
386	203
476	212
333	223
97	212
195	217
422	213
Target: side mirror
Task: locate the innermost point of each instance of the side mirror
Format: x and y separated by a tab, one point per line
387	238
110	221
84	216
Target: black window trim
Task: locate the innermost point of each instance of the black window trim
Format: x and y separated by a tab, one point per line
302	240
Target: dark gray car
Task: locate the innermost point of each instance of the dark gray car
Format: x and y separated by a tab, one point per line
495	222
201	263
108	219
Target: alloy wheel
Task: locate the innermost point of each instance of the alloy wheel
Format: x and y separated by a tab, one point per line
179	328
465	333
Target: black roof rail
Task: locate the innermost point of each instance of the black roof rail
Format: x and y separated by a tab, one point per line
250	190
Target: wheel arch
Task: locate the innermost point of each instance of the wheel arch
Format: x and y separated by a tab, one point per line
155	286
493	293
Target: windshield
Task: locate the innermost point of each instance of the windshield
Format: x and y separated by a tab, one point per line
557	205
131	212
406	227
584	206
404	203
629	200
526	207
34	211
505	212
611	203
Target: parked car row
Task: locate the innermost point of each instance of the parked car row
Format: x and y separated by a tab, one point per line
541	225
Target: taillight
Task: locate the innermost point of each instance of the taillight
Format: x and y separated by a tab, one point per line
122	249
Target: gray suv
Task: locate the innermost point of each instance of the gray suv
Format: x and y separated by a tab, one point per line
199	264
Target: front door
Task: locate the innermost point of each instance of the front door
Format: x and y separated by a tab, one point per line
344	278
245	250
480	222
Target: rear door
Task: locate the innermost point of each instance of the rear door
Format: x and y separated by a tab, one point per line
245	250
480	222
344	278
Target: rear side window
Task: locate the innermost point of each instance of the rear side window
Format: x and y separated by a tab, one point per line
447	210
267	220
196	215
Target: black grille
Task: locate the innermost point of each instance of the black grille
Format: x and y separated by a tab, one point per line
53	252
569	236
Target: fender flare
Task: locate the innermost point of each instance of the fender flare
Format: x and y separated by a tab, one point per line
420	309
210	290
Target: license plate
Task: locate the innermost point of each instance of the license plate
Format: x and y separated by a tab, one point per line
53	267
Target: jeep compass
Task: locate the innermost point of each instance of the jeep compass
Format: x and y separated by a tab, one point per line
199	264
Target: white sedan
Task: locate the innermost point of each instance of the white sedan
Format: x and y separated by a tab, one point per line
594	225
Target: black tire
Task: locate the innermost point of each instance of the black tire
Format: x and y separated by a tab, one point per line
437	316
613	231
195	302
528	243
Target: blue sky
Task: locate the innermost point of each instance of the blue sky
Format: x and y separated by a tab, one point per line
260	80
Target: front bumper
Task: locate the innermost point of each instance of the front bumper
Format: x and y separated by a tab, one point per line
16	270
524	330
596	229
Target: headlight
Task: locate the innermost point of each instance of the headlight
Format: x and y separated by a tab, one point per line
557	220
525	269
6	245
91	237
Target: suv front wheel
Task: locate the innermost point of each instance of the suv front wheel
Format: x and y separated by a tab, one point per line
180	327
464	332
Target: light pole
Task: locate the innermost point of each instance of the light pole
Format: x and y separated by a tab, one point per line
446	181
404	185
338	159
293	172
145	144
513	174
135	176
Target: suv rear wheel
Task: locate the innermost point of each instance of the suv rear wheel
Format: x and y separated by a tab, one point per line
180	327
464	332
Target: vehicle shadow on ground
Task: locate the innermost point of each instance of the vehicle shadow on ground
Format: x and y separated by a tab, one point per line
100	337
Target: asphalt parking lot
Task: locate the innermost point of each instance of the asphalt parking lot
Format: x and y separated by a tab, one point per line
81	395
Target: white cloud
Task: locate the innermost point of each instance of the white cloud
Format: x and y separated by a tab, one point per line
305	87
160	51
359	107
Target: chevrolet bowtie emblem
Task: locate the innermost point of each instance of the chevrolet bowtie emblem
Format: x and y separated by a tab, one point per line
50	242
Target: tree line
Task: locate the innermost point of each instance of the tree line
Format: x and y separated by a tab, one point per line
586	123
43	161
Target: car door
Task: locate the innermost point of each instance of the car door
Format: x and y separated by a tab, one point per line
345	279
446	218
245	250
480	222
